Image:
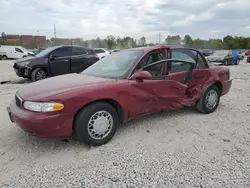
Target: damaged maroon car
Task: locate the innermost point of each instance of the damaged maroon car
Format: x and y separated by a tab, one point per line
118	88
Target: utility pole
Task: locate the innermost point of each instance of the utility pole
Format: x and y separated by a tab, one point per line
54	30
159	38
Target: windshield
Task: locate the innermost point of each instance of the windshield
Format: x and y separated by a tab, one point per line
115	65
46	51
24	49
220	52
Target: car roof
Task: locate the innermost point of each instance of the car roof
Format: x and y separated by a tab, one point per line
150	48
84	47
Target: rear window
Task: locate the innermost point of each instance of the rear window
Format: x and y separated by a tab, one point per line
78	51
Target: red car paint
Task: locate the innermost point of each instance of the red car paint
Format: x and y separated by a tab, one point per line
247	53
133	98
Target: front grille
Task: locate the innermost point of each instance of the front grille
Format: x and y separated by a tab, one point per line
18	100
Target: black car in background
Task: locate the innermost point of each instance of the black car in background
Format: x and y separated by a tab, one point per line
224	57
55	61
206	52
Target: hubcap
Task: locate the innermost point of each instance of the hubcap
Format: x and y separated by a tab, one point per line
211	99
100	125
40	75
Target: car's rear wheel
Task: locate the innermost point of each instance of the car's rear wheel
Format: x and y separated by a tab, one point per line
4	57
38	74
96	124
210	100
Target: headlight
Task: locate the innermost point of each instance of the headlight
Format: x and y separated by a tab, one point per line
25	63
42	107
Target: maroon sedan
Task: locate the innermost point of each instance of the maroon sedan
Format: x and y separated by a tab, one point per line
118	88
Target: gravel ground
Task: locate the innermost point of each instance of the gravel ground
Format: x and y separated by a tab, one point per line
172	149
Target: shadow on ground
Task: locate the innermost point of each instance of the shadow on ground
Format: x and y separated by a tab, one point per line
32	143
21	81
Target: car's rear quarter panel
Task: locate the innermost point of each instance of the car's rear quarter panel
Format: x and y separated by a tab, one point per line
223	74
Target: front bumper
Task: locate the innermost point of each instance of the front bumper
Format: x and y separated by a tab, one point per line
22	71
43	125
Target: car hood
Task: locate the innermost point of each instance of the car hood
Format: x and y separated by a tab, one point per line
29	58
215	58
59	84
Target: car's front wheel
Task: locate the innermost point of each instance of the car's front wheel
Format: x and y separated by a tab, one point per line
209	101
38	74
96	124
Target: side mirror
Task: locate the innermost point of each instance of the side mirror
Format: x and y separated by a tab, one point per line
142	75
51	57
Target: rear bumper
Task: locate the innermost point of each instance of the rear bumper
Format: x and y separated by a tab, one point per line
226	87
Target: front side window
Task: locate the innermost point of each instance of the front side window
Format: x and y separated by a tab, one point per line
46	51
62	52
150	58
156	70
18	50
116	65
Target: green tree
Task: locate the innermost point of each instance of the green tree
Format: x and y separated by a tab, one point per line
188	40
111	42
228	42
142	41
4	37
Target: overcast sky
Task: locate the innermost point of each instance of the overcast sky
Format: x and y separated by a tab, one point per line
136	18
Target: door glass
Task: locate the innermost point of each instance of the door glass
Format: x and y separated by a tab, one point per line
200	63
99	51
156	70
62	52
176	66
182	54
149	59
18	50
78	51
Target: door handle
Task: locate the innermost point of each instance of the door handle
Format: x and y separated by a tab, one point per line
65	60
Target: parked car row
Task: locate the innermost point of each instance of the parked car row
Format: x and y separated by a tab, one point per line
118	88
225	57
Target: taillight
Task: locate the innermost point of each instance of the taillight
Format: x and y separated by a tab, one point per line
97	57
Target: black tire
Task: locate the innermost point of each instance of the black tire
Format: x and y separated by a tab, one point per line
248	59
4	57
38	74
82	119
201	105
226	62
